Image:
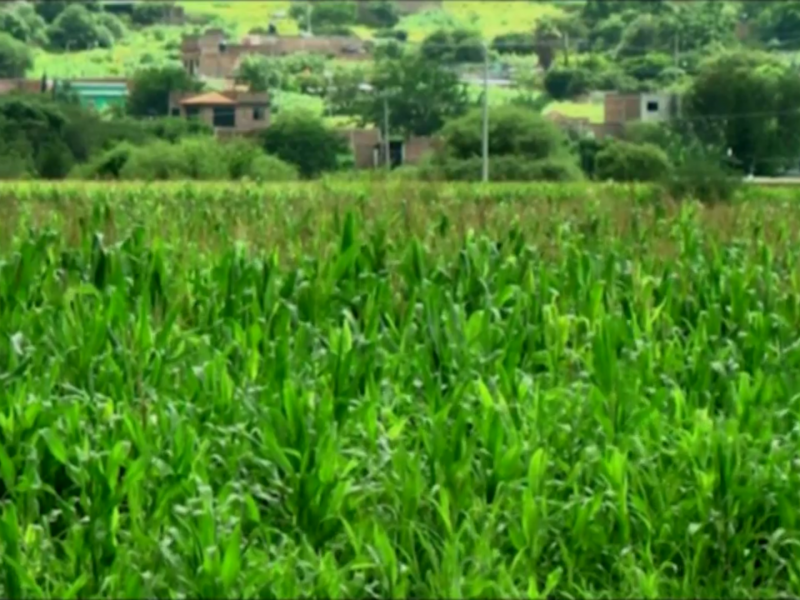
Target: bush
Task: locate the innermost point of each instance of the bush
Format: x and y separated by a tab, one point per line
391	34
113	24
513	130
107	166
378	13
702	179
563	83
623	161
504	168
303	140
196	158
513	43
270	168
149	13
15	57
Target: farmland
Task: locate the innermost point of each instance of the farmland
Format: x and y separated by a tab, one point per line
397	390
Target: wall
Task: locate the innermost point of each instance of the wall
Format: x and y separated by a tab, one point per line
203	53
621	108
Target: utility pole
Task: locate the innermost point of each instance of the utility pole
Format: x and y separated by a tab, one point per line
386	158
485	132
308	18
566	48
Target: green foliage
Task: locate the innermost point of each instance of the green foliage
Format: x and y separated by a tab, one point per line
402	390
702	178
648	67
624	161
115	26
513	43
562	83
145	14
421	95
303	140
378	13
77	28
151	89
513	131
504	169
734	84
21	21
452	46
334	13
15	57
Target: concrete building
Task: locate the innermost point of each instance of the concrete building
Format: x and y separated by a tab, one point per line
212	55
228	112
656	107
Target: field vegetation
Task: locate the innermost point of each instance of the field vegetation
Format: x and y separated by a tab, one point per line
345	389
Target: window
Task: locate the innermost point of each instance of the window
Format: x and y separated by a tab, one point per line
258	113
192	112
652	106
175	112
224	116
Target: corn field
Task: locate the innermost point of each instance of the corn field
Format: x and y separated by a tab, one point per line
397	390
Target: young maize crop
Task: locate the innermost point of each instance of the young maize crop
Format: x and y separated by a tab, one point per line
397	390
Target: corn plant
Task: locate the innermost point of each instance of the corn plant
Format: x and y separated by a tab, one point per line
396	390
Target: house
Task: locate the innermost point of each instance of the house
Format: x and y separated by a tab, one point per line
100	93
212	55
655	107
228	112
368	149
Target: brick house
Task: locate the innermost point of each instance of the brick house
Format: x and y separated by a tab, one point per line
229	112
621	109
367	148
211	54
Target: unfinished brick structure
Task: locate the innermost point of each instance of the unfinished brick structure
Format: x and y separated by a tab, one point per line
621	109
368	149
211	55
229	112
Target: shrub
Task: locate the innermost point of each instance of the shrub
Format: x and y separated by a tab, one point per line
513	130
108	165
76	28
15	57
270	168
623	161
149	13
113	24
303	140
504	168
702	179
562	83
378	13
513	43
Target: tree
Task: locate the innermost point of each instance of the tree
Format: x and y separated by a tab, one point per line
149	13
76	28
15	57
780	22
421	95
344	95
748	103
303	140
260	73
21	22
513	43
149	96
453	46
378	13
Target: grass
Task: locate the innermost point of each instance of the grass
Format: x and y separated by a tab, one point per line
397	390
